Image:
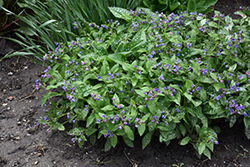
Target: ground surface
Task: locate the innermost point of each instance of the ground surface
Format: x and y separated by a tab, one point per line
23	145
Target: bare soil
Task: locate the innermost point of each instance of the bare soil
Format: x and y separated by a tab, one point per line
21	144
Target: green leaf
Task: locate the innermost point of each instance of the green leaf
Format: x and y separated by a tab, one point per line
216	129
232	120
185	141
232	68
90	131
188	83
1	3
246	122
209	3
129	132
118	58
196	67
182	129
92	138
173	6
128	141
213	75
116	100
207	153
120	13
81	114
83	140
151	126
204	79
146	3
141	129
188	52
247	132
97	86
201	147
210	145
108	108
191	6
90	120
147	139
145	117
47	96
203	95
152	106
134	81
61	127
113	141
107	145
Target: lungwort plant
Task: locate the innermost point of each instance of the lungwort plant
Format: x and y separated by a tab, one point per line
168	76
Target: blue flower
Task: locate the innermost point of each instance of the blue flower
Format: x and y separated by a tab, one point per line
177	110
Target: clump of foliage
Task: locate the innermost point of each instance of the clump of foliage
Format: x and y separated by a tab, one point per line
46	21
177	6
157	74
8	10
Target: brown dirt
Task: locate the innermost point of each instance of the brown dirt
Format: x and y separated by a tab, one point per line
22	144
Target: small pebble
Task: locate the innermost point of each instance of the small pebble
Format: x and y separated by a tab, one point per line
36	162
18	138
10	73
19	123
10	98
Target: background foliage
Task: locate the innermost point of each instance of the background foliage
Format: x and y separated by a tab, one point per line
7	16
178	6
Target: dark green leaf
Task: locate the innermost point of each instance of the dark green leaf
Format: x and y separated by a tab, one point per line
128	141
201	147
232	120
185	141
207	153
90	120
129	132
90	131
107	145
92	138
113	141
141	129
247	132
147	139
182	129
120	13
108	108
47	96
246	122
191	6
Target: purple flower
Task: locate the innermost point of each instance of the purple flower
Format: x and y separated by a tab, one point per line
177	110
198	88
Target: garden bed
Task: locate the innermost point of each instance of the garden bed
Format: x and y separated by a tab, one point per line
24	145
